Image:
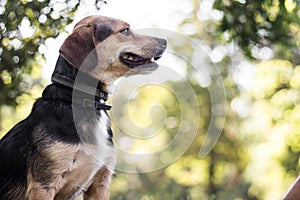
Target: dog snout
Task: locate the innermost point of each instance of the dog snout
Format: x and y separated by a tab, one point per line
161	47
162	43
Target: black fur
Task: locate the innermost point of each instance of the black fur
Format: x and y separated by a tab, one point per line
103	32
64	68
51	120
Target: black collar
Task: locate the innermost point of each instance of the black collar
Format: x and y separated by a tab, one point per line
83	93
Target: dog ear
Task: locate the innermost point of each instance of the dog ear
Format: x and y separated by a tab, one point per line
79	45
82	42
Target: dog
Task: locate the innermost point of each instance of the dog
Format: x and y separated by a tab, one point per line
64	148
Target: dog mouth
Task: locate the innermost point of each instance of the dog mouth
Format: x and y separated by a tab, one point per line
133	60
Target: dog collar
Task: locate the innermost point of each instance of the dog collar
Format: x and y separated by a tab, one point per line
92	98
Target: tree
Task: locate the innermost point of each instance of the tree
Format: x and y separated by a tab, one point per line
24	28
254	25
25	25
229	171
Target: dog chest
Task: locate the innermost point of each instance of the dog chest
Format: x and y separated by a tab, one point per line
75	166
72	168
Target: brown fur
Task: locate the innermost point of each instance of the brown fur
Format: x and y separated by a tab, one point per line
50	161
109	67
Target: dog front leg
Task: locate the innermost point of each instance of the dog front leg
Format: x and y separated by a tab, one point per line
37	192
99	189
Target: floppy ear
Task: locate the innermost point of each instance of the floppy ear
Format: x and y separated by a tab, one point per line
78	45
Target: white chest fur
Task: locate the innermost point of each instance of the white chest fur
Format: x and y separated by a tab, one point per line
103	151
76	165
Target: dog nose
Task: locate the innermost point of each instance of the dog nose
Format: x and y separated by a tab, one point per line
162	43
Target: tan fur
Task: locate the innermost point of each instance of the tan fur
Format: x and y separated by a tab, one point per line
74	172
108	56
79	169
100	185
109	67
83	38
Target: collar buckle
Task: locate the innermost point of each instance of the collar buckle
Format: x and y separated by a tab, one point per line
95	105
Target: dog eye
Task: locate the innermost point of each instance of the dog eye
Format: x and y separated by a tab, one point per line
125	31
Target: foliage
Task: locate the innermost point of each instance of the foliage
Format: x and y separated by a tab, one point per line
25	25
258	24
271	127
257	156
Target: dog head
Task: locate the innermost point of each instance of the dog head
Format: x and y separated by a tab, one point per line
107	49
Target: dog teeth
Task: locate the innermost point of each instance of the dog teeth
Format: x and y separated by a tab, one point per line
137	59
128	57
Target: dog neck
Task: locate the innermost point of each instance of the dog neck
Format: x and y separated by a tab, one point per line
71	86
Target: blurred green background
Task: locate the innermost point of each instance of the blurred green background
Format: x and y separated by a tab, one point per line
257	155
